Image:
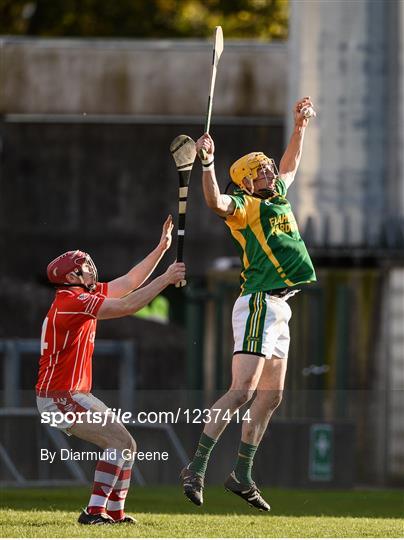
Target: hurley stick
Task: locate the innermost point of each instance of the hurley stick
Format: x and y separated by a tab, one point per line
217	52
183	151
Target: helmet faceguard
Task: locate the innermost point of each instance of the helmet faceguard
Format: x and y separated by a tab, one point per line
247	168
72	262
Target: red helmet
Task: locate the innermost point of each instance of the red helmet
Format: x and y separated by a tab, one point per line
71	261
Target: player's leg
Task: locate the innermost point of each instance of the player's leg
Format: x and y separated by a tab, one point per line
275	345
248	318
113	470
103	431
246	372
116	500
267	399
248	322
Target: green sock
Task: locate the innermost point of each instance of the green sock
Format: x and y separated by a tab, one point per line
242	470
200	461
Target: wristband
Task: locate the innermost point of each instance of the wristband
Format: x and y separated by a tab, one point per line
208	164
208	160
209	167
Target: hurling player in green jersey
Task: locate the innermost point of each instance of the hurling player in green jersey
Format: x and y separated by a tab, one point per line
274	260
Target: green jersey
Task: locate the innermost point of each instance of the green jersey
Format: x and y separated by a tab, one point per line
272	252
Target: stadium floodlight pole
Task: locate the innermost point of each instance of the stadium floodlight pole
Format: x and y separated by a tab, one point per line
183	151
217	52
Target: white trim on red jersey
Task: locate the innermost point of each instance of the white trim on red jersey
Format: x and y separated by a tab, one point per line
76	313
83	356
75	362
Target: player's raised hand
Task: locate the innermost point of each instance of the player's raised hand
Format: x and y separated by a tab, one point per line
175	273
205	143
303	111
166	237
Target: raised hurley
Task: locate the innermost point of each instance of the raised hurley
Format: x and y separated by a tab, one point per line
217	52
183	151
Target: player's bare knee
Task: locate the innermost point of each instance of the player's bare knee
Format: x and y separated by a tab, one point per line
115	436
126	441
240	396
271	398
247	395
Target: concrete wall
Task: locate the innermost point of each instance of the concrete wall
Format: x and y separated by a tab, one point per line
140	77
346	55
396	330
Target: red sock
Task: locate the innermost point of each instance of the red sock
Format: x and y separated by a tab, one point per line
116	500
106	475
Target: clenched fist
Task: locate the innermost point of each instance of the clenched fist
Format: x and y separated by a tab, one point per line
175	273
205	143
300	111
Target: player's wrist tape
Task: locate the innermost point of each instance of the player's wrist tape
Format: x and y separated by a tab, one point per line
210	158
208	164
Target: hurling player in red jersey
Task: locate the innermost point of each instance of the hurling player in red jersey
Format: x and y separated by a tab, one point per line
65	374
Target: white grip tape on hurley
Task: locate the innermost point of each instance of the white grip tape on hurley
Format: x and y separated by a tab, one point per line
183	191
182	207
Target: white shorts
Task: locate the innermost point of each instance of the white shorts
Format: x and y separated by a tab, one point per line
69	403
261	325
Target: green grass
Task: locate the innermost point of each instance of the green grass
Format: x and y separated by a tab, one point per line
163	512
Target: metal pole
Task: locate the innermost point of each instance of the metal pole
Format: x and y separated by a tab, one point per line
127	376
11	374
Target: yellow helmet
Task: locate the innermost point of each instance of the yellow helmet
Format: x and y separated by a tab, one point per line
247	167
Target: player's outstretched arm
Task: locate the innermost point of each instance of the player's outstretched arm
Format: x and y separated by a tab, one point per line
138	274
113	308
293	153
220	203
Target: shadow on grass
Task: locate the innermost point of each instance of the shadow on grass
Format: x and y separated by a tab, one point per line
169	500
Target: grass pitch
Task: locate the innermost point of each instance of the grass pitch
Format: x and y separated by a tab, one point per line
164	512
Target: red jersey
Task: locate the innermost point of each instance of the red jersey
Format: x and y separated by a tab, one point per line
67	341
